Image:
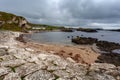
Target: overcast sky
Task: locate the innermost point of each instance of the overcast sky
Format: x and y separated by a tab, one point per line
88	13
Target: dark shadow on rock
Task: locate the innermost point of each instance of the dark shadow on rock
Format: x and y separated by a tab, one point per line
110	58
20	38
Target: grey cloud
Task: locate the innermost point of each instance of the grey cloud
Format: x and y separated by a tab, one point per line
92	9
66	12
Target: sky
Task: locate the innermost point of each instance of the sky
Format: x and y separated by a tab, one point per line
77	13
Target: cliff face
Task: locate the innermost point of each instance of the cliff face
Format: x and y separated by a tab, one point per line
12	22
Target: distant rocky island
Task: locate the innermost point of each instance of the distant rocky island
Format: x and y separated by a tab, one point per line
24	60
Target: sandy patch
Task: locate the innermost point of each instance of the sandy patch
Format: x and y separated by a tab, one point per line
82	54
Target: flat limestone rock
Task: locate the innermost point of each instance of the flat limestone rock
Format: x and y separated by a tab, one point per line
4	70
40	75
48	57
97	66
62	74
77	69
22	55
4	46
53	62
29	49
7	57
56	64
12	51
12	63
28	68
12	76
103	77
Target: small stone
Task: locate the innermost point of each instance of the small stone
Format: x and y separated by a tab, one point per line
52	52
70	59
42	56
29	49
3	46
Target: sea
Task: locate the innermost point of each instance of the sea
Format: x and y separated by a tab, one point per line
65	37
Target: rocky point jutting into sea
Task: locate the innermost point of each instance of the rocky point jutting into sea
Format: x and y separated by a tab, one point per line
20	62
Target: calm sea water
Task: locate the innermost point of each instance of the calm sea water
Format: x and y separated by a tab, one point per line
65	37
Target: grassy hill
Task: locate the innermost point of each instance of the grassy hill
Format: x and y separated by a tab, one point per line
12	22
48	27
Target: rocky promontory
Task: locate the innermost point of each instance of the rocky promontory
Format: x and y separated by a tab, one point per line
24	63
13	22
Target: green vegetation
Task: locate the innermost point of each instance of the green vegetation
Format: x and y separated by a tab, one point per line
47	27
52	27
6	16
13	69
22	78
12	27
12	22
56	77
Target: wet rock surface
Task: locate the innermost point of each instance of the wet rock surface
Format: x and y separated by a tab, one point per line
87	30
108	55
24	64
102	45
67	30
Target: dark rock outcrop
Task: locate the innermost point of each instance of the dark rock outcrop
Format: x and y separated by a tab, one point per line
67	30
102	45
107	46
86	30
109	58
84	40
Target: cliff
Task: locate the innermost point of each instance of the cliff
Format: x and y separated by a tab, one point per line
13	22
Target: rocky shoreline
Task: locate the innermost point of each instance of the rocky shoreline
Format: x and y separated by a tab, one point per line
102	45
20	62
